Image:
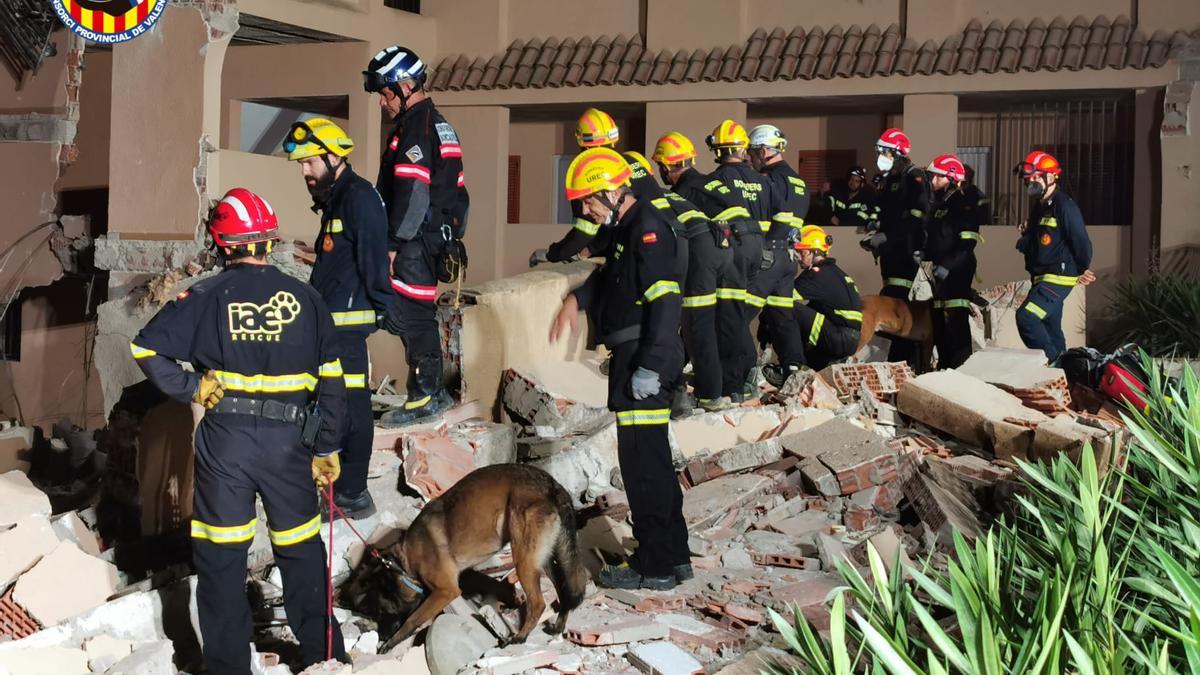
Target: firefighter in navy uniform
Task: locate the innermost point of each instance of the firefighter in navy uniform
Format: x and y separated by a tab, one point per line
828	308
635	303
853	203
261	343
351	274
777	277
950	239
981	212
1058	254
421	183
595	129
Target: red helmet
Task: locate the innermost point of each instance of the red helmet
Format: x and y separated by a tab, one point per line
949	166
242	217
894	139
1038	162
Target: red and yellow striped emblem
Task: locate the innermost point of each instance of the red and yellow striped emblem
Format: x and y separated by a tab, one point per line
102	22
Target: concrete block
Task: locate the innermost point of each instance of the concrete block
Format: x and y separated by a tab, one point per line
972	468
1063	434
70	527
155	658
856	457
738	559
688	631
738	458
832	551
434	461
15	444
19	499
454	642
44	661
1023	373
972	411
818	477
704	505
783	550
706	434
630	630
559	398
663	658
104	651
889	546
586	469
65	583
24	545
803	524
511	665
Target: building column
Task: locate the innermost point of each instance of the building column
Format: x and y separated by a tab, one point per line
483	132
366	125
931	122
1179	240
694	119
1147	181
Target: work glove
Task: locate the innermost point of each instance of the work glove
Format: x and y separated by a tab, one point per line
209	392
325	470
644	383
940	273
875	242
538	256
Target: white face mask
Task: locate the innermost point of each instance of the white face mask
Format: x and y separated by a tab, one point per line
884	162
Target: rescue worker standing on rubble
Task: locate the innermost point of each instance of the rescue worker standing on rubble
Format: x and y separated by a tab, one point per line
853	203
828	308
635	302
595	129
421	183
777	273
950	239
710	269
1058	254
351	274
749	221
896	238
260	343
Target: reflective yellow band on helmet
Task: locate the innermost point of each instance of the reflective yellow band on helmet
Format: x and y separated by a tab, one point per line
355	318
297	534
268	383
969	234
764	225
700	300
1056	279
732	212
586	226
849	314
780	301
355	380
331	368
898	281
141	352
1035	310
731	294
916	213
1048	221
335	226
660	288
754	300
232	534
955	303
412	405
690	214
814	333
637	418
660	203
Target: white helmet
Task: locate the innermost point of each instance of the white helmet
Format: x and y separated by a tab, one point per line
768	136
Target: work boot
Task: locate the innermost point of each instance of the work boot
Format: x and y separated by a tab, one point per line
356	507
777	374
436	404
682	404
627	578
684	572
714	404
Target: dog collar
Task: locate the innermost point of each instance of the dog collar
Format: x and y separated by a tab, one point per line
404	578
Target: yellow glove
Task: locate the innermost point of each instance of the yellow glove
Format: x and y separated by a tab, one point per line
326	469
210	391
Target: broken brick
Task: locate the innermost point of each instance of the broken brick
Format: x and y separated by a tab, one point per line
858	519
881	379
558	400
687	631
633	630
15	622
436	460
713	502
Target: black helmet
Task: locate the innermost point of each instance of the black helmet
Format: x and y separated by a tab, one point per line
391	66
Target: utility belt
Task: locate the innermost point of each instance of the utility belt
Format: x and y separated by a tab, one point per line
778	245
744	226
621	336
306	417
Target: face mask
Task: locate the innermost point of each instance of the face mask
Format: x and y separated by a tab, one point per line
1036	189
884	162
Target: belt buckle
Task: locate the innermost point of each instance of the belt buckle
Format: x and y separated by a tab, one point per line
272	409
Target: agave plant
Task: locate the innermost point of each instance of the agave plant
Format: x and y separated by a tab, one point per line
1159	313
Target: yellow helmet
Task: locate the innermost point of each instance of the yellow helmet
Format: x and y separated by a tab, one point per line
638	163
813	238
314	137
596	129
673	148
728	134
596	170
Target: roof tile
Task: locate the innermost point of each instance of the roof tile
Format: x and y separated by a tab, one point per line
475	74
695	69
867	48
712	65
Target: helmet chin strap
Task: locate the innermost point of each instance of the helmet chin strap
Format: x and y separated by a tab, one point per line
613	209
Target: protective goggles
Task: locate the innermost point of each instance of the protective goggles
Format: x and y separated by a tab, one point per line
373	82
1025	170
298	135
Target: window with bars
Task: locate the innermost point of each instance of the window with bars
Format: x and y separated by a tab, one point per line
514	188
413	6
817	167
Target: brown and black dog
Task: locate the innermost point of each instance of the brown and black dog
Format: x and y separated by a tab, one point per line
908	319
471	522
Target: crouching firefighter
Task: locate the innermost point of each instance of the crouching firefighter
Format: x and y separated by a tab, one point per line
351	274
827	304
950	239
635	302
260	343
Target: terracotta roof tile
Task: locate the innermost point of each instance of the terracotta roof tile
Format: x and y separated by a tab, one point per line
817	52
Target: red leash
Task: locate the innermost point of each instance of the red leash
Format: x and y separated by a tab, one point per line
336	511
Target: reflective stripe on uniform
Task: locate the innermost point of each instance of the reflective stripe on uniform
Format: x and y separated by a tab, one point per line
660	203
781	301
633	418
660	288
422	293
690	214
335	226
587	227
355	380
849	314
969	234
1056	279
754	300
798	298
232	534
898	281
331	369
916	213
1035	310
1048	221
814	333
731	294
355	318
412	405
850	280
700	300
955	303
297	534
141	352
713	184
732	212
268	383
764	225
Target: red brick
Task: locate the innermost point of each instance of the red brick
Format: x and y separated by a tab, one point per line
859	519
616	633
661	603
15	622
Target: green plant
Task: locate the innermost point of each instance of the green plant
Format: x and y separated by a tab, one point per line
1159	313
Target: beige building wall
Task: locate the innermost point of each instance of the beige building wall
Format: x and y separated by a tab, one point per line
695	119
1181	172
90	169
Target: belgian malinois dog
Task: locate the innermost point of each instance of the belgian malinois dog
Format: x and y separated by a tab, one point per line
471	522
908	319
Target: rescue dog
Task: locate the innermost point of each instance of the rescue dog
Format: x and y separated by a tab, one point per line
472	521
908	319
